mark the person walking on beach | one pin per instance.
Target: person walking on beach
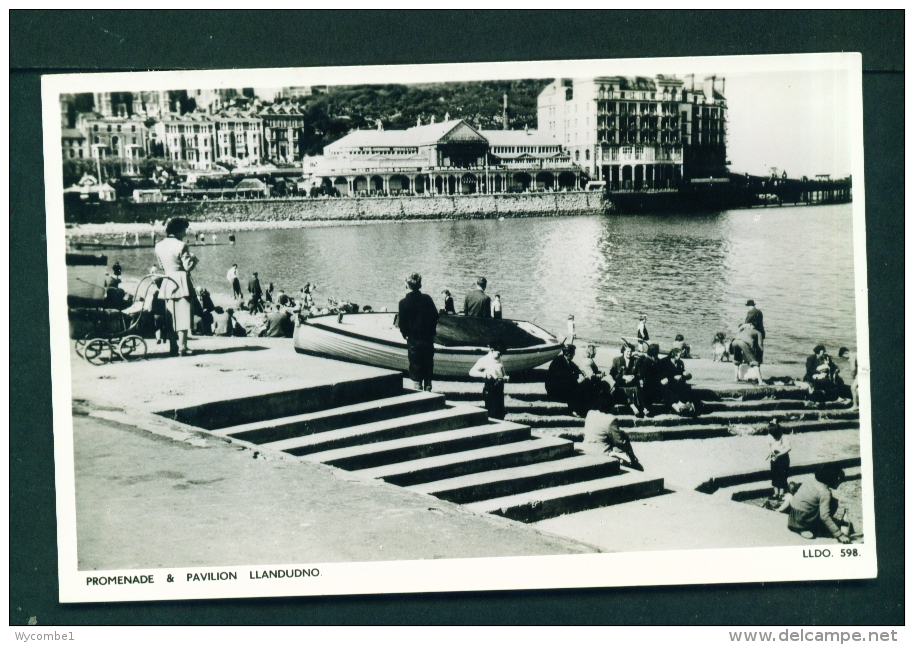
(477, 303)
(490, 368)
(232, 276)
(256, 292)
(569, 339)
(418, 321)
(214, 238)
(851, 358)
(232, 239)
(116, 269)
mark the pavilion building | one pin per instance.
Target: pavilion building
(445, 158)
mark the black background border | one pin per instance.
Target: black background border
(77, 41)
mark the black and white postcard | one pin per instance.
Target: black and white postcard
(362, 330)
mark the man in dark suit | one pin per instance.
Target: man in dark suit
(256, 294)
(754, 317)
(418, 320)
(476, 302)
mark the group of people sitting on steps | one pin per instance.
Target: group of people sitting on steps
(637, 380)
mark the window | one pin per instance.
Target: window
(95, 127)
(577, 155)
(96, 139)
(80, 153)
(587, 155)
(109, 128)
(118, 128)
(133, 128)
(134, 140)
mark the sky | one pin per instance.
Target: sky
(797, 121)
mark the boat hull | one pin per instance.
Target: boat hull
(377, 344)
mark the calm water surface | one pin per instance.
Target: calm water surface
(690, 274)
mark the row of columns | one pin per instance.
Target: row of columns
(640, 176)
(488, 183)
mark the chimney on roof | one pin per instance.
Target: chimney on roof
(504, 112)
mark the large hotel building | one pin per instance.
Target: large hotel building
(639, 133)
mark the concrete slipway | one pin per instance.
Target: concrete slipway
(153, 492)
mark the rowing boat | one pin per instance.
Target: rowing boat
(374, 339)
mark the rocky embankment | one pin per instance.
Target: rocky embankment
(288, 213)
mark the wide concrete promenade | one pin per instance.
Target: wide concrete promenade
(150, 493)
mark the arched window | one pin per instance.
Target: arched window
(587, 155)
(95, 127)
(577, 155)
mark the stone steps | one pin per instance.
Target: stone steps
(520, 479)
(728, 480)
(425, 423)
(439, 443)
(430, 469)
(273, 430)
(708, 431)
(214, 415)
(545, 503)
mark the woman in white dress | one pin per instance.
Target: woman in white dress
(177, 289)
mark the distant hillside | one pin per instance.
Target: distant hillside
(346, 108)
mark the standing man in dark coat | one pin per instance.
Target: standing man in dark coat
(754, 317)
(256, 294)
(476, 302)
(418, 320)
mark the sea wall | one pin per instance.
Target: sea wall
(359, 208)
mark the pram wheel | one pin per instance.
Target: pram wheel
(131, 347)
(98, 351)
(81, 344)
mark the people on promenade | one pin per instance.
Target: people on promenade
(570, 337)
(624, 372)
(650, 390)
(821, 374)
(604, 426)
(177, 289)
(477, 303)
(814, 512)
(746, 349)
(268, 294)
(256, 291)
(851, 358)
(643, 335)
(448, 303)
(594, 389)
(214, 238)
(563, 377)
(674, 380)
(496, 306)
(207, 307)
(232, 239)
(418, 321)
(223, 321)
(232, 277)
(755, 318)
(116, 269)
(720, 348)
(136, 238)
(490, 368)
(685, 350)
(154, 311)
(278, 323)
(779, 456)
